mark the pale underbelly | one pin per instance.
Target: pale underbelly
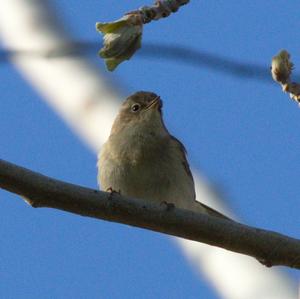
(147, 182)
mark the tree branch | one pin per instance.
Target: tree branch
(268, 247)
(161, 9)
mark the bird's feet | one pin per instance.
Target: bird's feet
(112, 192)
(169, 206)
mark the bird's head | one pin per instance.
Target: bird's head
(140, 111)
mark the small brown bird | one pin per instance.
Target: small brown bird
(142, 160)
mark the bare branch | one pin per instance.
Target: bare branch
(269, 247)
(161, 9)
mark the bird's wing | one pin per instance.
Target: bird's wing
(184, 160)
(204, 208)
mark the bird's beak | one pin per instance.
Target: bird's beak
(155, 104)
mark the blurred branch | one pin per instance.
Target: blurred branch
(281, 70)
(40, 191)
(175, 53)
(204, 59)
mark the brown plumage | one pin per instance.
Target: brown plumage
(142, 160)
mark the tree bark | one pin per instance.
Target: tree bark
(270, 248)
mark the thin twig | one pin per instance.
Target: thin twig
(123, 37)
(161, 9)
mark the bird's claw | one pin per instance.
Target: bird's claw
(112, 192)
(168, 205)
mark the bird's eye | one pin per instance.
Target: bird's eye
(135, 107)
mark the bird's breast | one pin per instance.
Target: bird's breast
(135, 168)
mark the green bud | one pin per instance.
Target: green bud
(281, 67)
(121, 39)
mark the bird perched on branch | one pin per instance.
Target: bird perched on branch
(142, 160)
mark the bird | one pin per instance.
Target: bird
(142, 160)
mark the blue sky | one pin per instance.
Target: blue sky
(241, 132)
